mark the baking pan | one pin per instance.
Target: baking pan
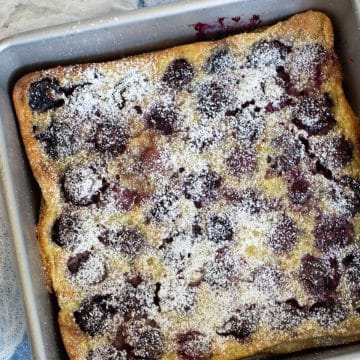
(105, 39)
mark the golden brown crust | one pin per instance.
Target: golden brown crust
(307, 28)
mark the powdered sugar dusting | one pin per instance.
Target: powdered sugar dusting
(216, 177)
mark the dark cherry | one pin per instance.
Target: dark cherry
(220, 273)
(267, 278)
(249, 124)
(163, 204)
(267, 53)
(328, 313)
(205, 139)
(45, 94)
(336, 152)
(299, 191)
(193, 345)
(286, 315)
(219, 62)
(104, 353)
(212, 99)
(128, 241)
(352, 195)
(148, 344)
(133, 298)
(312, 58)
(178, 74)
(66, 229)
(351, 264)
(242, 324)
(110, 138)
(93, 314)
(75, 262)
(332, 231)
(288, 154)
(313, 114)
(283, 235)
(150, 159)
(124, 198)
(220, 229)
(242, 161)
(319, 276)
(162, 118)
(201, 186)
(58, 140)
(83, 185)
(251, 201)
(141, 341)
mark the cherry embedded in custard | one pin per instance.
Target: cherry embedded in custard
(163, 205)
(352, 196)
(241, 161)
(332, 231)
(140, 340)
(201, 186)
(286, 315)
(104, 353)
(242, 324)
(45, 94)
(220, 229)
(328, 313)
(319, 276)
(267, 53)
(123, 198)
(193, 345)
(220, 273)
(335, 152)
(283, 235)
(313, 114)
(178, 74)
(150, 159)
(94, 313)
(219, 62)
(267, 278)
(148, 345)
(58, 140)
(299, 191)
(75, 262)
(83, 185)
(287, 154)
(212, 99)
(66, 229)
(128, 241)
(163, 118)
(110, 139)
(133, 299)
(351, 264)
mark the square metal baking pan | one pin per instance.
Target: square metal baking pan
(105, 39)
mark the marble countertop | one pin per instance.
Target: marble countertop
(17, 16)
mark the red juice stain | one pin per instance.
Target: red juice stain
(202, 28)
(221, 22)
(255, 20)
(220, 28)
